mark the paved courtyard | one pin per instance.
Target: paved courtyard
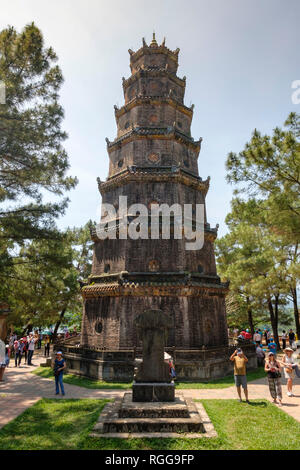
(21, 389)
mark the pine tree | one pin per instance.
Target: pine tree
(268, 170)
(32, 157)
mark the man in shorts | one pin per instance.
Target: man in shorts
(239, 359)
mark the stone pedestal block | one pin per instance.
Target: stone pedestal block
(149, 392)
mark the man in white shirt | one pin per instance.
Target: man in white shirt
(257, 337)
(31, 343)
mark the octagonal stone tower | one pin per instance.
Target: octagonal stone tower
(154, 159)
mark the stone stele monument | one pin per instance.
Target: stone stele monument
(153, 381)
(153, 409)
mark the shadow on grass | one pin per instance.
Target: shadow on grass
(257, 403)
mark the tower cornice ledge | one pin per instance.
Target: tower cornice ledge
(133, 289)
(142, 132)
(154, 174)
(153, 72)
(141, 100)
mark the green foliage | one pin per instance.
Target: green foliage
(268, 168)
(46, 278)
(33, 163)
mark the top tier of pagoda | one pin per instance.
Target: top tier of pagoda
(154, 61)
(154, 110)
(154, 57)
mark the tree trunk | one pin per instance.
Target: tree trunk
(274, 319)
(27, 329)
(250, 316)
(296, 311)
(61, 316)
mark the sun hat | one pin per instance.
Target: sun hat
(271, 354)
(59, 352)
(288, 349)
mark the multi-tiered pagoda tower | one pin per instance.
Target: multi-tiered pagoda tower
(154, 159)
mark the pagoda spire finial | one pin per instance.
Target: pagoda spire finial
(153, 42)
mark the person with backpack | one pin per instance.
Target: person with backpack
(272, 367)
(59, 366)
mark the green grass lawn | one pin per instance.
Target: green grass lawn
(89, 383)
(65, 424)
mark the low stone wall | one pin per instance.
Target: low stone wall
(191, 365)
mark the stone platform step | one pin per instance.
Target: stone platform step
(152, 435)
(131, 425)
(130, 409)
(153, 419)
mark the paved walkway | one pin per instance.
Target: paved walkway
(21, 389)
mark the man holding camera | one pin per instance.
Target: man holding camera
(239, 359)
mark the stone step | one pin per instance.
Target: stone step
(131, 425)
(152, 435)
(154, 413)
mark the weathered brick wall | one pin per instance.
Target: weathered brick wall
(153, 86)
(162, 115)
(195, 321)
(137, 153)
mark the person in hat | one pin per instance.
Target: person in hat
(290, 368)
(272, 367)
(59, 366)
(240, 360)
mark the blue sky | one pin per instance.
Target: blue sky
(240, 58)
